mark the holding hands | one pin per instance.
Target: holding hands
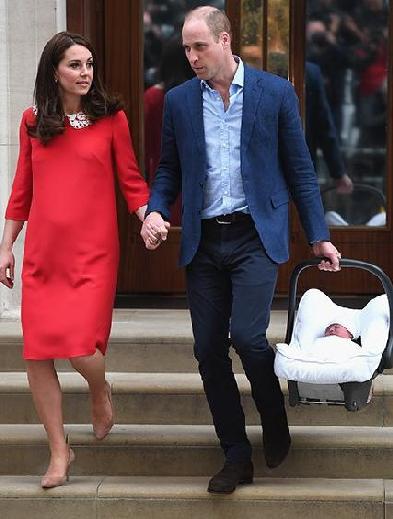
(154, 230)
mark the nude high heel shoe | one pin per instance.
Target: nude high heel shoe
(51, 481)
(101, 430)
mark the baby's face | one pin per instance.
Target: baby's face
(339, 330)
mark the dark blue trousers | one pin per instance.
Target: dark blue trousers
(230, 285)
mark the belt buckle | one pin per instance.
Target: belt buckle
(223, 222)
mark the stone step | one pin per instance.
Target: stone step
(179, 497)
(141, 341)
(192, 450)
(177, 398)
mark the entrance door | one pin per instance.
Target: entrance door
(271, 35)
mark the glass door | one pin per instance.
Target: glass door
(336, 52)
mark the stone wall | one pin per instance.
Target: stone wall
(25, 26)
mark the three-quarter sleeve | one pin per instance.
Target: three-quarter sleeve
(19, 203)
(132, 185)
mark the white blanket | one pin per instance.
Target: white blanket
(311, 357)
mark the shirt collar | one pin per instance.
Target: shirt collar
(238, 78)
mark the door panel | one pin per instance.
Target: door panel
(373, 244)
(347, 45)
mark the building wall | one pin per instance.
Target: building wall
(25, 26)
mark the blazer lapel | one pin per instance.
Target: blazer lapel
(251, 97)
(195, 110)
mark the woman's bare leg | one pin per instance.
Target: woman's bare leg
(47, 398)
(92, 368)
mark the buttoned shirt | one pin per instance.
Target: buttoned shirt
(223, 188)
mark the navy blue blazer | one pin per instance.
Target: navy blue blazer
(275, 163)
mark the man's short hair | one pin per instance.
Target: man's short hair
(215, 19)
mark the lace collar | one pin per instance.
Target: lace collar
(78, 121)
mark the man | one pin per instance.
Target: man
(232, 142)
(321, 131)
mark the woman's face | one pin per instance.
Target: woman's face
(74, 73)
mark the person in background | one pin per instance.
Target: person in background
(174, 70)
(319, 127)
(321, 131)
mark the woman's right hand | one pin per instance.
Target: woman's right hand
(7, 264)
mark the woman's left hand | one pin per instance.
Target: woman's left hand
(7, 263)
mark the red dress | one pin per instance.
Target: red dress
(66, 191)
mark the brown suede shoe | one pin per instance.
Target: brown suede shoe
(231, 475)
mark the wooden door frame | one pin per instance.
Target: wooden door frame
(121, 60)
(122, 56)
(87, 17)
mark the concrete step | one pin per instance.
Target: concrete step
(176, 497)
(177, 398)
(192, 450)
(141, 341)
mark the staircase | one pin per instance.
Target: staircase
(157, 461)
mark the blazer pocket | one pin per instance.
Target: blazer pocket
(280, 198)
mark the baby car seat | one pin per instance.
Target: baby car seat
(353, 395)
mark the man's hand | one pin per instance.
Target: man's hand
(326, 249)
(154, 230)
(344, 185)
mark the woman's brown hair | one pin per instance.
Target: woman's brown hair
(96, 103)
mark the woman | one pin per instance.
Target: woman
(64, 186)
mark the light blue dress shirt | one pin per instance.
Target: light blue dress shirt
(223, 189)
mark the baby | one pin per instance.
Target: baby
(339, 330)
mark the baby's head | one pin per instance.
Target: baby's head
(339, 330)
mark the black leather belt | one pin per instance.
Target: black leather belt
(227, 219)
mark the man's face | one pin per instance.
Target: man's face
(205, 54)
(338, 330)
(315, 27)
